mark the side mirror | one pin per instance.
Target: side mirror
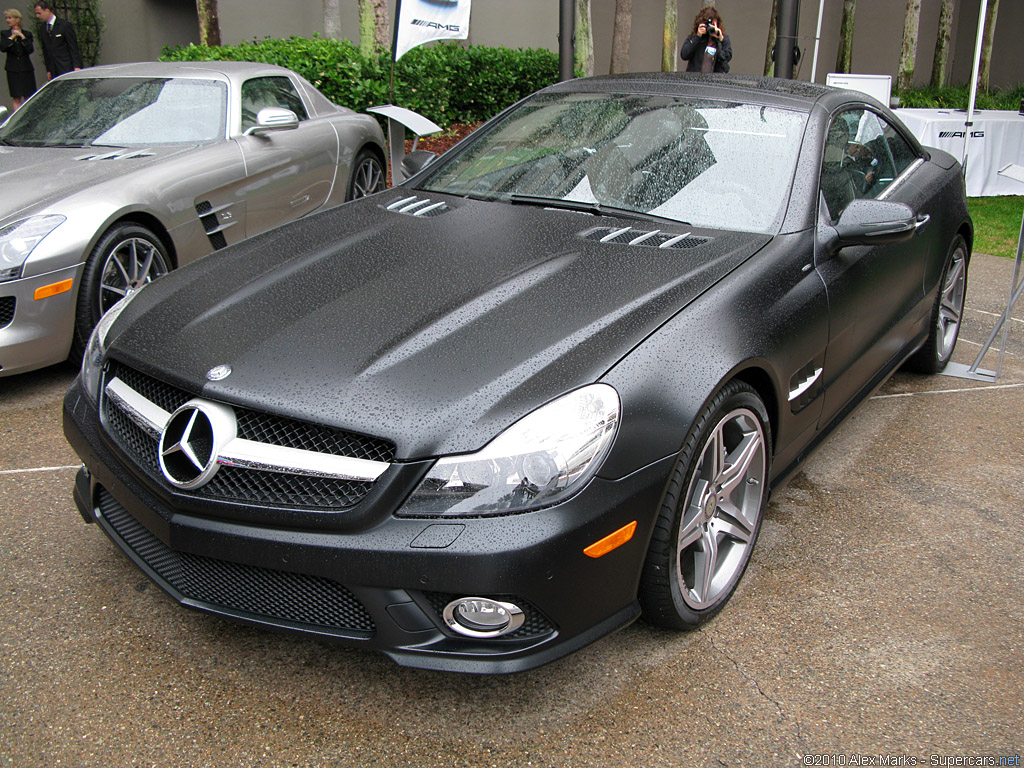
(876, 222)
(416, 161)
(273, 119)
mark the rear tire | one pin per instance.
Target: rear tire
(711, 514)
(947, 313)
(367, 176)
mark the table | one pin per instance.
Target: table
(997, 139)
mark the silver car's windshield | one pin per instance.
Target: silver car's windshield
(122, 112)
(706, 163)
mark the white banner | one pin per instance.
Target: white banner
(420, 21)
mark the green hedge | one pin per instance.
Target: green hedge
(447, 82)
(958, 96)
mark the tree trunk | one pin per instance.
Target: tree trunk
(908, 53)
(584, 39)
(769, 51)
(670, 37)
(332, 19)
(374, 34)
(845, 55)
(939, 75)
(986, 45)
(620, 37)
(209, 22)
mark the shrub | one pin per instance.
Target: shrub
(956, 97)
(447, 82)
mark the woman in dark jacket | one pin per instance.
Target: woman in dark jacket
(708, 48)
(17, 44)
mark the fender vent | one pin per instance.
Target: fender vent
(213, 227)
(651, 239)
(419, 206)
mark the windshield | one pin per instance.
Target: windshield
(705, 163)
(121, 112)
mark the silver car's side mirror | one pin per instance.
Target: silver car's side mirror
(273, 119)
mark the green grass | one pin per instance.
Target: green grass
(996, 224)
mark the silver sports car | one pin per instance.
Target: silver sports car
(114, 175)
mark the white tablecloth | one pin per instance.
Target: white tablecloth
(996, 139)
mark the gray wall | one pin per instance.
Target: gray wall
(137, 30)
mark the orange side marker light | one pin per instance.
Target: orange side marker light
(611, 541)
(53, 289)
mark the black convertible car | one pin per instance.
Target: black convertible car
(542, 388)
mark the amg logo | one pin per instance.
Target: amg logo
(961, 134)
(435, 25)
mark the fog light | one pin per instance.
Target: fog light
(482, 617)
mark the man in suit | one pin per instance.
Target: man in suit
(60, 46)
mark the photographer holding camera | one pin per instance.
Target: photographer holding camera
(708, 48)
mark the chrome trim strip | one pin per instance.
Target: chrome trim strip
(147, 415)
(220, 227)
(643, 237)
(400, 203)
(669, 243)
(900, 179)
(429, 208)
(614, 233)
(248, 454)
(804, 386)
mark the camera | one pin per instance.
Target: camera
(710, 26)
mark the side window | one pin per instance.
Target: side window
(863, 155)
(263, 92)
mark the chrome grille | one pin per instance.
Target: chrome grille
(246, 591)
(240, 484)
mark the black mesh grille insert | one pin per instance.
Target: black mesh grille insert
(534, 623)
(246, 485)
(7, 304)
(244, 590)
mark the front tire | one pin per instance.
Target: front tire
(711, 514)
(127, 257)
(947, 313)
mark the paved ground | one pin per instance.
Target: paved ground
(883, 614)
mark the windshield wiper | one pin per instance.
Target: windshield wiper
(599, 209)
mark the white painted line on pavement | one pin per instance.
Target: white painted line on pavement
(36, 469)
(984, 388)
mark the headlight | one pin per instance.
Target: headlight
(18, 239)
(96, 349)
(540, 460)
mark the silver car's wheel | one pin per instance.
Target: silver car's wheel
(130, 263)
(367, 176)
(711, 513)
(947, 313)
(127, 257)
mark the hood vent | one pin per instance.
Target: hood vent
(651, 239)
(119, 154)
(419, 206)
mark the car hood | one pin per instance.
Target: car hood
(32, 177)
(435, 332)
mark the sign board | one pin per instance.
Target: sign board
(877, 86)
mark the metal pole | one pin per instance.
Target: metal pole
(974, 80)
(785, 40)
(817, 41)
(566, 39)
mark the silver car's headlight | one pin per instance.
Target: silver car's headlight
(540, 460)
(96, 349)
(17, 241)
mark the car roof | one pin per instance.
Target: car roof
(212, 70)
(769, 91)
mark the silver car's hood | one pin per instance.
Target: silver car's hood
(33, 177)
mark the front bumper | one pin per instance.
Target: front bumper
(39, 331)
(383, 585)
